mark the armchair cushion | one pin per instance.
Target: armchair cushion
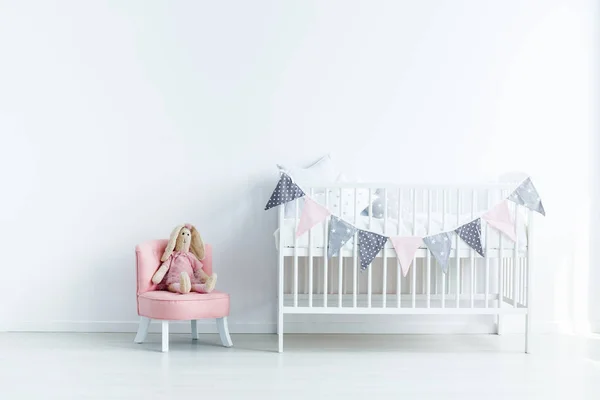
(174, 306)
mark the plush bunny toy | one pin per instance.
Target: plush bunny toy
(181, 271)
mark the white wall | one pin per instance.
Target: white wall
(121, 119)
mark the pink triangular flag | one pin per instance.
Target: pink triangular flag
(499, 217)
(406, 247)
(312, 214)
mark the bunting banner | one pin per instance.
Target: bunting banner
(284, 192)
(312, 214)
(499, 217)
(406, 247)
(339, 233)
(470, 233)
(369, 245)
(440, 245)
(527, 196)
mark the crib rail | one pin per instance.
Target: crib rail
(311, 281)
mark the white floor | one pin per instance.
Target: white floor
(111, 366)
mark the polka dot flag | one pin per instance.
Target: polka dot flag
(285, 191)
(471, 234)
(527, 196)
(339, 233)
(369, 245)
(440, 245)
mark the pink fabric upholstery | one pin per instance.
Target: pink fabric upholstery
(173, 306)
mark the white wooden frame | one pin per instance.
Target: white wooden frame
(222, 327)
(439, 294)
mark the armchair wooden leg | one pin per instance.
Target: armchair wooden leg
(194, 324)
(142, 330)
(165, 336)
(224, 332)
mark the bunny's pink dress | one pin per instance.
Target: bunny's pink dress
(181, 261)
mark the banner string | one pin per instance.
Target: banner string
(370, 207)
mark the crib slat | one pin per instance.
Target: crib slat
(500, 270)
(280, 277)
(310, 263)
(444, 198)
(385, 215)
(472, 252)
(370, 269)
(355, 251)
(458, 285)
(487, 250)
(433, 270)
(500, 275)
(520, 280)
(340, 262)
(398, 268)
(413, 270)
(428, 288)
(304, 262)
(340, 278)
(325, 260)
(297, 205)
(523, 278)
(423, 262)
(506, 281)
(516, 258)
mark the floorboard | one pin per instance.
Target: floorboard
(111, 366)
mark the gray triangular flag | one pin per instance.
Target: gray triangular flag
(369, 245)
(339, 233)
(284, 192)
(527, 196)
(471, 234)
(440, 245)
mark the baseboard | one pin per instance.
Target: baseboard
(208, 326)
(516, 324)
(511, 324)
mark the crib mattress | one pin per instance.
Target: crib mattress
(406, 229)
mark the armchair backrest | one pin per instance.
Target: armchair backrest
(148, 256)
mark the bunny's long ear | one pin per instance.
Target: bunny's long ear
(197, 245)
(171, 244)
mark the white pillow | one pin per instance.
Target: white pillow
(333, 202)
(362, 199)
(322, 171)
(347, 200)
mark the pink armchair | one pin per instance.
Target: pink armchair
(167, 306)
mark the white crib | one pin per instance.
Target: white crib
(310, 283)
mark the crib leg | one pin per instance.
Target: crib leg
(499, 325)
(280, 332)
(527, 333)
